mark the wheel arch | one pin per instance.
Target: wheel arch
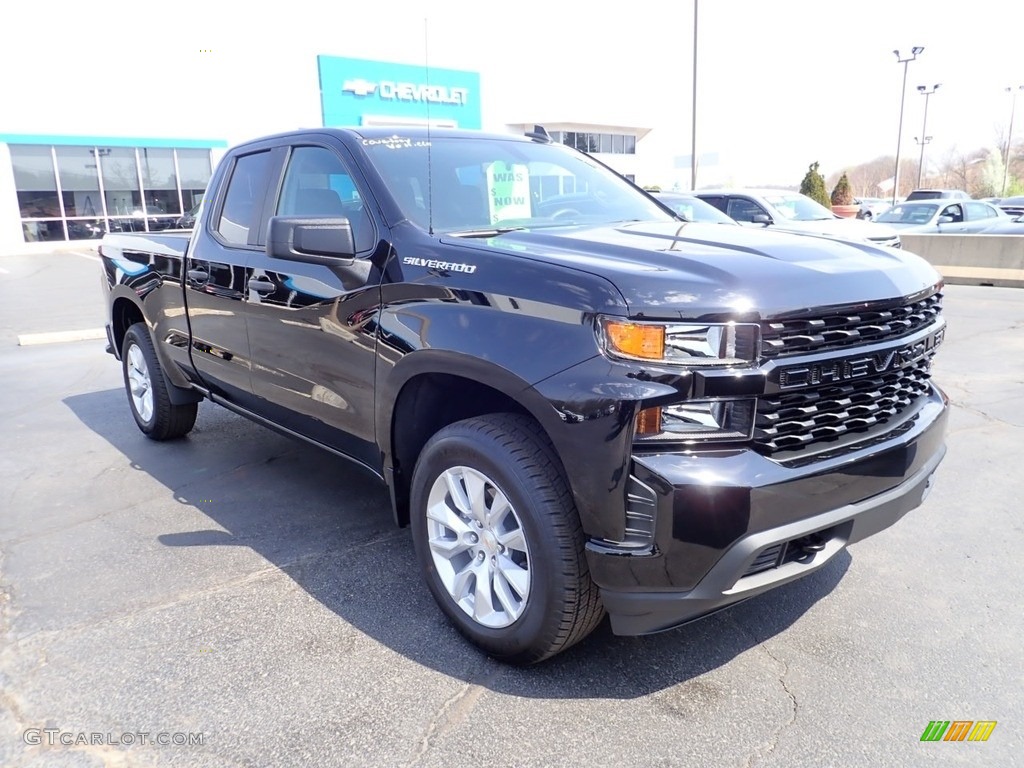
(429, 390)
(124, 313)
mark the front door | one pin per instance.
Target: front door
(311, 327)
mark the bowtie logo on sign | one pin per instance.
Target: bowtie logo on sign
(359, 87)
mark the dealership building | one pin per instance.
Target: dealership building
(75, 181)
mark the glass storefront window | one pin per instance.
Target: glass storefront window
(159, 181)
(120, 181)
(35, 182)
(93, 190)
(85, 229)
(79, 181)
(42, 230)
(194, 168)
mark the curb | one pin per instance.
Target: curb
(60, 337)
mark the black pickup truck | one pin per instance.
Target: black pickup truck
(580, 402)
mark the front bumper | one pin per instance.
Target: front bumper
(730, 525)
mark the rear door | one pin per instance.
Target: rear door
(980, 216)
(215, 274)
(312, 327)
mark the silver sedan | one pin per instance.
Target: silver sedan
(958, 217)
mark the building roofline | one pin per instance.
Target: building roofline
(109, 141)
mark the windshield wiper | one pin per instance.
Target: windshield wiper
(492, 232)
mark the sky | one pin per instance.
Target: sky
(779, 84)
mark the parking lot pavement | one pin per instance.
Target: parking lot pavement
(248, 592)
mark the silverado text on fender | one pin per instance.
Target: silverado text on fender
(581, 402)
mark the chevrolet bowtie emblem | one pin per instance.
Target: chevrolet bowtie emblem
(359, 87)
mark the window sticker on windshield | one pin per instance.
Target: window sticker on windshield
(508, 191)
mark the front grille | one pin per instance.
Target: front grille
(892, 241)
(840, 330)
(829, 412)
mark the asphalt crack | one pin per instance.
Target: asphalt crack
(763, 751)
(766, 749)
(454, 711)
(978, 412)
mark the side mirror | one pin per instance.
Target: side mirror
(761, 218)
(945, 219)
(326, 240)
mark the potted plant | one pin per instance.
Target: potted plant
(842, 199)
(813, 185)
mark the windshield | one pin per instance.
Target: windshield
(469, 183)
(694, 209)
(797, 207)
(909, 214)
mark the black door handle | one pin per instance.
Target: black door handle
(198, 275)
(261, 285)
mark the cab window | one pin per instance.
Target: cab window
(243, 200)
(318, 185)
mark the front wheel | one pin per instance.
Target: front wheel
(499, 541)
(150, 402)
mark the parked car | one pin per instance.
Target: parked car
(692, 208)
(1007, 227)
(938, 194)
(870, 207)
(943, 217)
(1013, 206)
(788, 211)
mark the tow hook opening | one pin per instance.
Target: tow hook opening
(808, 546)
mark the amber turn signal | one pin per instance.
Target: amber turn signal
(648, 422)
(637, 340)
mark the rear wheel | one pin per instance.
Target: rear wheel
(156, 415)
(499, 541)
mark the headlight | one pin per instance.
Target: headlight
(690, 344)
(693, 345)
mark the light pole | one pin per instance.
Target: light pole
(917, 49)
(921, 143)
(693, 131)
(1009, 135)
(925, 138)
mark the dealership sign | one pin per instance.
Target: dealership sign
(354, 90)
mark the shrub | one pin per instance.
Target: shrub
(842, 194)
(813, 185)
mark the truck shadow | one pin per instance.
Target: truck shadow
(327, 525)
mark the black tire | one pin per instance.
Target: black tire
(156, 415)
(562, 605)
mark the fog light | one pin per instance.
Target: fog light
(697, 420)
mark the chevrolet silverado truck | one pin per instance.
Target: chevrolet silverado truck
(581, 403)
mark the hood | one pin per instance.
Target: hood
(848, 228)
(677, 270)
